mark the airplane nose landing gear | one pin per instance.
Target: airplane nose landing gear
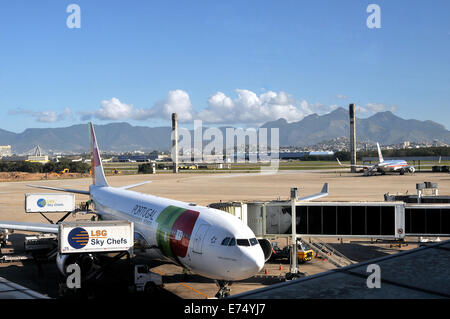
(224, 291)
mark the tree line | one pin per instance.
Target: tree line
(50, 167)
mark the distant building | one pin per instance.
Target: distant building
(162, 157)
(292, 155)
(38, 157)
(136, 158)
(5, 150)
(325, 153)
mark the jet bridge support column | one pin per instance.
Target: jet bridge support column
(294, 196)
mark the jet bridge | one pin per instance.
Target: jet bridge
(427, 220)
(337, 219)
(377, 220)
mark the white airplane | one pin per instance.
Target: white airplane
(206, 241)
(382, 167)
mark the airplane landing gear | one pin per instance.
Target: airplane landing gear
(224, 291)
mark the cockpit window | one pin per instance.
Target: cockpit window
(243, 242)
(226, 241)
(232, 242)
(253, 241)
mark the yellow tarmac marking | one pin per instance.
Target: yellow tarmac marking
(183, 284)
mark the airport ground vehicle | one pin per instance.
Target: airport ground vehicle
(3, 237)
(187, 167)
(145, 280)
(303, 253)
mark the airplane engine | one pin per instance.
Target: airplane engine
(266, 247)
(412, 169)
(86, 262)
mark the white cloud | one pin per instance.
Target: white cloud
(250, 107)
(246, 107)
(375, 108)
(43, 116)
(322, 109)
(177, 101)
(341, 96)
(114, 110)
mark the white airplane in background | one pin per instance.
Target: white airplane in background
(382, 167)
(208, 242)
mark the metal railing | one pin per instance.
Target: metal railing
(328, 252)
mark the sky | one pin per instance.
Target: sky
(222, 62)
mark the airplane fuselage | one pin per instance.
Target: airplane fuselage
(393, 165)
(186, 234)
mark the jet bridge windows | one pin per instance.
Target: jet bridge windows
(339, 218)
(427, 219)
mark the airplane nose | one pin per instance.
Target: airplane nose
(252, 262)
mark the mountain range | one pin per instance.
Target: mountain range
(384, 127)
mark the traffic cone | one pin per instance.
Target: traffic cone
(281, 268)
(266, 271)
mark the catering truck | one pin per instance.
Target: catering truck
(83, 242)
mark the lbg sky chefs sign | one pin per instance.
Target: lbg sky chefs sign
(49, 203)
(100, 236)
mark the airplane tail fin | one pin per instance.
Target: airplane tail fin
(98, 174)
(380, 156)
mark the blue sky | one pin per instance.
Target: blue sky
(235, 62)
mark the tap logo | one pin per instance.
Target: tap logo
(78, 238)
(41, 202)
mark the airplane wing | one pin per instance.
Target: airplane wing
(134, 185)
(323, 193)
(61, 189)
(355, 165)
(33, 227)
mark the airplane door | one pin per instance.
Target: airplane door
(199, 237)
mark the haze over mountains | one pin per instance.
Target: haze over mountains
(384, 127)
